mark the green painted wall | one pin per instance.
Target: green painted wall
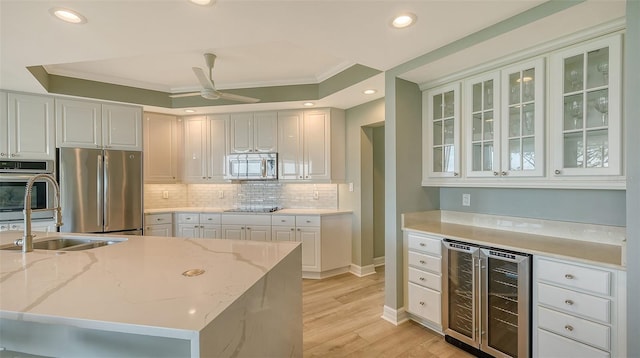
(378, 191)
(632, 132)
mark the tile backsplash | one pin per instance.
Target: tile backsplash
(245, 195)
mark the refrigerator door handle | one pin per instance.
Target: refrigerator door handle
(105, 192)
(100, 201)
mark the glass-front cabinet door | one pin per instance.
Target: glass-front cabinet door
(585, 109)
(441, 127)
(523, 119)
(482, 123)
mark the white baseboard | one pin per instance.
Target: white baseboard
(362, 271)
(378, 261)
(394, 316)
(324, 274)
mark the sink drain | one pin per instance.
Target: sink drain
(193, 272)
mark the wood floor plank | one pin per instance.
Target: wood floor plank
(341, 318)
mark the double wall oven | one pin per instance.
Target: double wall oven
(486, 300)
(13, 179)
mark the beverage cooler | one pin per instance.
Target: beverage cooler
(487, 299)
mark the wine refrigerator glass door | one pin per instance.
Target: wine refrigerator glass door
(505, 296)
(460, 299)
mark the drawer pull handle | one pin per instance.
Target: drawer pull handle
(423, 262)
(568, 276)
(210, 219)
(569, 328)
(422, 303)
(282, 221)
(568, 302)
(423, 244)
(422, 279)
(158, 219)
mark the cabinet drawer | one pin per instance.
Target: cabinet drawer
(307, 220)
(575, 302)
(425, 303)
(594, 334)
(246, 219)
(425, 262)
(426, 279)
(160, 218)
(574, 276)
(283, 220)
(188, 218)
(552, 345)
(213, 219)
(425, 244)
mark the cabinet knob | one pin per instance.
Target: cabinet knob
(292, 229)
(568, 302)
(248, 228)
(495, 174)
(307, 177)
(422, 303)
(423, 262)
(422, 279)
(568, 328)
(455, 174)
(301, 177)
(2, 154)
(503, 173)
(423, 244)
(557, 172)
(210, 219)
(298, 229)
(13, 155)
(568, 276)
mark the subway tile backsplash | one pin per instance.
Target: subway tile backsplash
(245, 195)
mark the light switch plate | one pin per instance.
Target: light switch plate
(165, 194)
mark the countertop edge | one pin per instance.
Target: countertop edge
(420, 228)
(320, 212)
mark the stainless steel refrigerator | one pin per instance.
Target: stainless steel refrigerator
(101, 190)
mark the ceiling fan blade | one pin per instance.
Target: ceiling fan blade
(187, 94)
(205, 82)
(236, 97)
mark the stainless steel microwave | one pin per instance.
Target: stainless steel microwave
(252, 166)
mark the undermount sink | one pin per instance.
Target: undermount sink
(67, 243)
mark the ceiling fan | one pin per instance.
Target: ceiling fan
(209, 90)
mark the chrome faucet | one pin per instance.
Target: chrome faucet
(27, 239)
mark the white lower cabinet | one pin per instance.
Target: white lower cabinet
(158, 224)
(246, 227)
(423, 273)
(578, 310)
(38, 226)
(199, 225)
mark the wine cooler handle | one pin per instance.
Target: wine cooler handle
(477, 303)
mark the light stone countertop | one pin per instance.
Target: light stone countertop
(134, 286)
(607, 254)
(321, 212)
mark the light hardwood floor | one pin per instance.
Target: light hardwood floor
(341, 318)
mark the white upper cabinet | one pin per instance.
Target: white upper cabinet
(161, 148)
(27, 127)
(205, 145)
(85, 124)
(121, 127)
(253, 132)
(311, 145)
(441, 131)
(289, 144)
(482, 122)
(586, 116)
(523, 119)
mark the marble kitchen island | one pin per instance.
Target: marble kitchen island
(131, 299)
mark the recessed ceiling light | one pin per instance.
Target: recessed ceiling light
(369, 91)
(190, 110)
(67, 15)
(308, 104)
(203, 2)
(404, 20)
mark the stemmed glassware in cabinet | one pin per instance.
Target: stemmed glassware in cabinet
(602, 105)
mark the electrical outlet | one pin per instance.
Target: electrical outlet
(350, 186)
(466, 199)
(315, 195)
(165, 194)
(220, 194)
